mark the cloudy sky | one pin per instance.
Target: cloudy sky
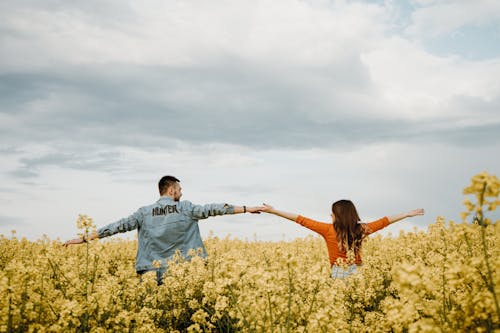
(393, 104)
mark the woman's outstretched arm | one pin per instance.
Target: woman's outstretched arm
(319, 227)
(399, 217)
(271, 210)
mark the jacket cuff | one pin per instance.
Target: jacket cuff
(104, 232)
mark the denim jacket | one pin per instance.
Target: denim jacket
(164, 227)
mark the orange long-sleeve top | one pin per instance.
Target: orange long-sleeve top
(328, 232)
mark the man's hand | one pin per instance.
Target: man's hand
(74, 241)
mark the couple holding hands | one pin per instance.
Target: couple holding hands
(169, 225)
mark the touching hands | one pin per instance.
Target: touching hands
(255, 209)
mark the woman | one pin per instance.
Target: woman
(345, 234)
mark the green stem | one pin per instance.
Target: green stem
(234, 300)
(290, 287)
(270, 311)
(445, 317)
(315, 293)
(86, 315)
(9, 320)
(491, 284)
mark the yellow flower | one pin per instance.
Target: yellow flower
(417, 281)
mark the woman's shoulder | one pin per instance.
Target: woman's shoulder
(302, 218)
(376, 225)
(320, 227)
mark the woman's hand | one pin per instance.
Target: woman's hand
(415, 212)
(267, 208)
(411, 213)
(271, 210)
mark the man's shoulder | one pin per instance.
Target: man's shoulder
(147, 208)
(185, 204)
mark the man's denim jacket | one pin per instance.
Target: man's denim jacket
(164, 227)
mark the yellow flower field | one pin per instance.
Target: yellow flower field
(444, 279)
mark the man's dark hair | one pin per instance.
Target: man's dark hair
(165, 182)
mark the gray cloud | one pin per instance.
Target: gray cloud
(234, 102)
(221, 97)
(82, 159)
(107, 13)
(9, 150)
(11, 221)
(23, 172)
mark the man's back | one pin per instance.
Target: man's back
(165, 227)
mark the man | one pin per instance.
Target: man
(166, 226)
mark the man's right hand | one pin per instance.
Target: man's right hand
(74, 241)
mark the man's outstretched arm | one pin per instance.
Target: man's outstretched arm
(123, 225)
(204, 211)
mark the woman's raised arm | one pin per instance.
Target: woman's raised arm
(399, 217)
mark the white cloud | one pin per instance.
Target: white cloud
(441, 17)
(293, 102)
(191, 32)
(416, 84)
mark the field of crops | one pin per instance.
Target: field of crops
(444, 279)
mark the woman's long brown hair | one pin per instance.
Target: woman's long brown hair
(349, 231)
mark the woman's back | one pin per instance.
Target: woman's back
(344, 232)
(330, 235)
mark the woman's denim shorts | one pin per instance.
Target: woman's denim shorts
(341, 273)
